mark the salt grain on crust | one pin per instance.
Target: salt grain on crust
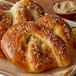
(68, 33)
(60, 52)
(64, 25)
(19, 28)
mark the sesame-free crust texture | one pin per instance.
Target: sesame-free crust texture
(38, 46)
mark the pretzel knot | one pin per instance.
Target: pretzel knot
(38, 46)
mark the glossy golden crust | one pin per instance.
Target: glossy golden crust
(26, 10)
(5, 5)
(5, 23)
(17, 14)
(34, 48)
(58, 27)
(62, 30)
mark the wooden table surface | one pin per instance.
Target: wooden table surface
(47, 5)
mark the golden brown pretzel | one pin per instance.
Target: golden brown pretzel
(4, 5)
(19, 14)
(26, 10)
(33, 47)
(59, 27)
(5, 23)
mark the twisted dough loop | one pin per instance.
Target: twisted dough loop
(5, 23)
(31, 46)
(26, 10)
(59, 27)
(18, 13)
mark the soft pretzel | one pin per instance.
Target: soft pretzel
(4, 5)
(17, 14)
(26, 10)
(59, 27)
(38, 46)
(5, 23)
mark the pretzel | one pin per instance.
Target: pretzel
(5, 23)
(59, 27)
(38, 46)
(18, 14)
(26, 10)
